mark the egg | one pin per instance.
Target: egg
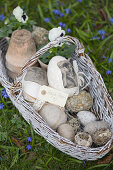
(53, 115)
(80, 102)
(83, 139)
(66, 131)
(74, 123)
(93, 126)
(86, 117)
(102, 136)
(62, 76)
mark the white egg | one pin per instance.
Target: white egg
(85, 117)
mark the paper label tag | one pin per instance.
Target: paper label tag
(52, 96)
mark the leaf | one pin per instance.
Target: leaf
(18, 143)
(97, 166)
(15, 159)
(3, 136)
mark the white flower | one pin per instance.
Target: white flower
(20, 15)
(55, 33)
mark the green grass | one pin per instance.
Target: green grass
(84, 21)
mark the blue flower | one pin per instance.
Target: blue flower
(56, 12)
(110, 60)
(28, 147)
(47, 19)
(1, 106)
(101, 32)
(62, 4)
(60, 24)
(61, 14)
(2, 17)
(63, 25)
(108, 72)
(103, 56)
(84, 162)
(4, 94)
(68, 30)
(0, 158)
(111, 20)
(95, 37)
(29, 139)
(57, 2)
(79, 0)
(67, 11)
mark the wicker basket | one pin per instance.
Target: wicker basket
(102, 106)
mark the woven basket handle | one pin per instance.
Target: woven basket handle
(78, 50)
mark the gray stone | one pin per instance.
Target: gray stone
(40, 36)
(80, 102)
(37, 75)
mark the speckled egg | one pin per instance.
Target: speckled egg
(74, 123)
(66, 131)
(94, 126)
(82, 101)
(83, 139)
(102, 136)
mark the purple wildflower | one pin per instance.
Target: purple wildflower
(108, 72)
(68, 30)
(101, 32)
(56, 12)
(2, 17)
(110, 60)
(103, 56)
(63, 25)
(62, 4)
(60, 24)
(95, 37)
(28, 147)
(47, 19)
(0, 158)
(29, 139)
(79, 0)
(1, 106)
(111, 20)
(4, 94)
(61, 14)
(67, 11)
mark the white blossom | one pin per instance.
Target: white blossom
(20, 15)
(55, 33)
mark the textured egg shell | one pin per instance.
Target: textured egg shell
(101, 137)
(80, 102)
(74, 123)
(66, 131)
(53, 115)
(83, 139)
(86, 117)
(55, 76)
(93, 126)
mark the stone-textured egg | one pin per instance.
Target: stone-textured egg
(80, 102)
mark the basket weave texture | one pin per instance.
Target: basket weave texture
(102, 102)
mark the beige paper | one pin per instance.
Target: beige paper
(52, 96)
